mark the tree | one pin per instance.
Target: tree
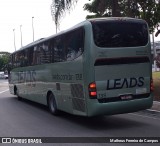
(148, 10)
(4, 59)
(59, 8)
(107, 8)
(99, 8)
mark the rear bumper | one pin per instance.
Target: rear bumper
(95, 108)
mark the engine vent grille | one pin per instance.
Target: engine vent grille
(78, 97)
(77, 90)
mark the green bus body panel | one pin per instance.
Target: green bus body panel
(119, 74)
(121, 87)
(57, 78)
(121, 107)
(123, 79)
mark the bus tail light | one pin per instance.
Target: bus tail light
(152, 86)
(92, 90)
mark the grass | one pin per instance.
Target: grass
(156, 82)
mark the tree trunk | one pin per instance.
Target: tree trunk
(115, 9)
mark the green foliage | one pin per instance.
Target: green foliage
(156, 82)
(4, 58)
(99, 8)
(148, 10)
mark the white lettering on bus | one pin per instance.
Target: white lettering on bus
(67, 77)
(27, 77)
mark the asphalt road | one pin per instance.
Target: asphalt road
(28, 119)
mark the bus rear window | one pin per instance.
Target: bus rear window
(120, 33)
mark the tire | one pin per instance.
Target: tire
(52, 105)
(16, 93)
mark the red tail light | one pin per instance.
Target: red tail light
(93, 94)
(92, 85)
(152, 86)
(92, 90)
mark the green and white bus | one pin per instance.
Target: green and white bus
(99, 67)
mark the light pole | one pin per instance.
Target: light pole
(154, 51)
(14, 39)
(21, 34)
(33, 28)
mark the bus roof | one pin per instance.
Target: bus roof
(41, 40)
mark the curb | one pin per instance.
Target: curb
(154, 111)
(155, 106)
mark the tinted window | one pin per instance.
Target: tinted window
(64, 47)
(59, 50)
(74, 44)
(41, 53)
(68, 46)
(120, 33)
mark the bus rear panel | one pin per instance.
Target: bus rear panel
(122, 80)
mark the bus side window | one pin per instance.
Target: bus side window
(51, 48)
(19, 57)
(23, 58)
(45, 53)
(59, 50)
(30, 56)
(74, 44)
(49, 52)
(35, 55)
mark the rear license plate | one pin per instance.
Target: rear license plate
(126, 97)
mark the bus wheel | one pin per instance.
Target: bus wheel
(16, 93)
(52, 104)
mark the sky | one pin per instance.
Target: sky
(14, 13)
